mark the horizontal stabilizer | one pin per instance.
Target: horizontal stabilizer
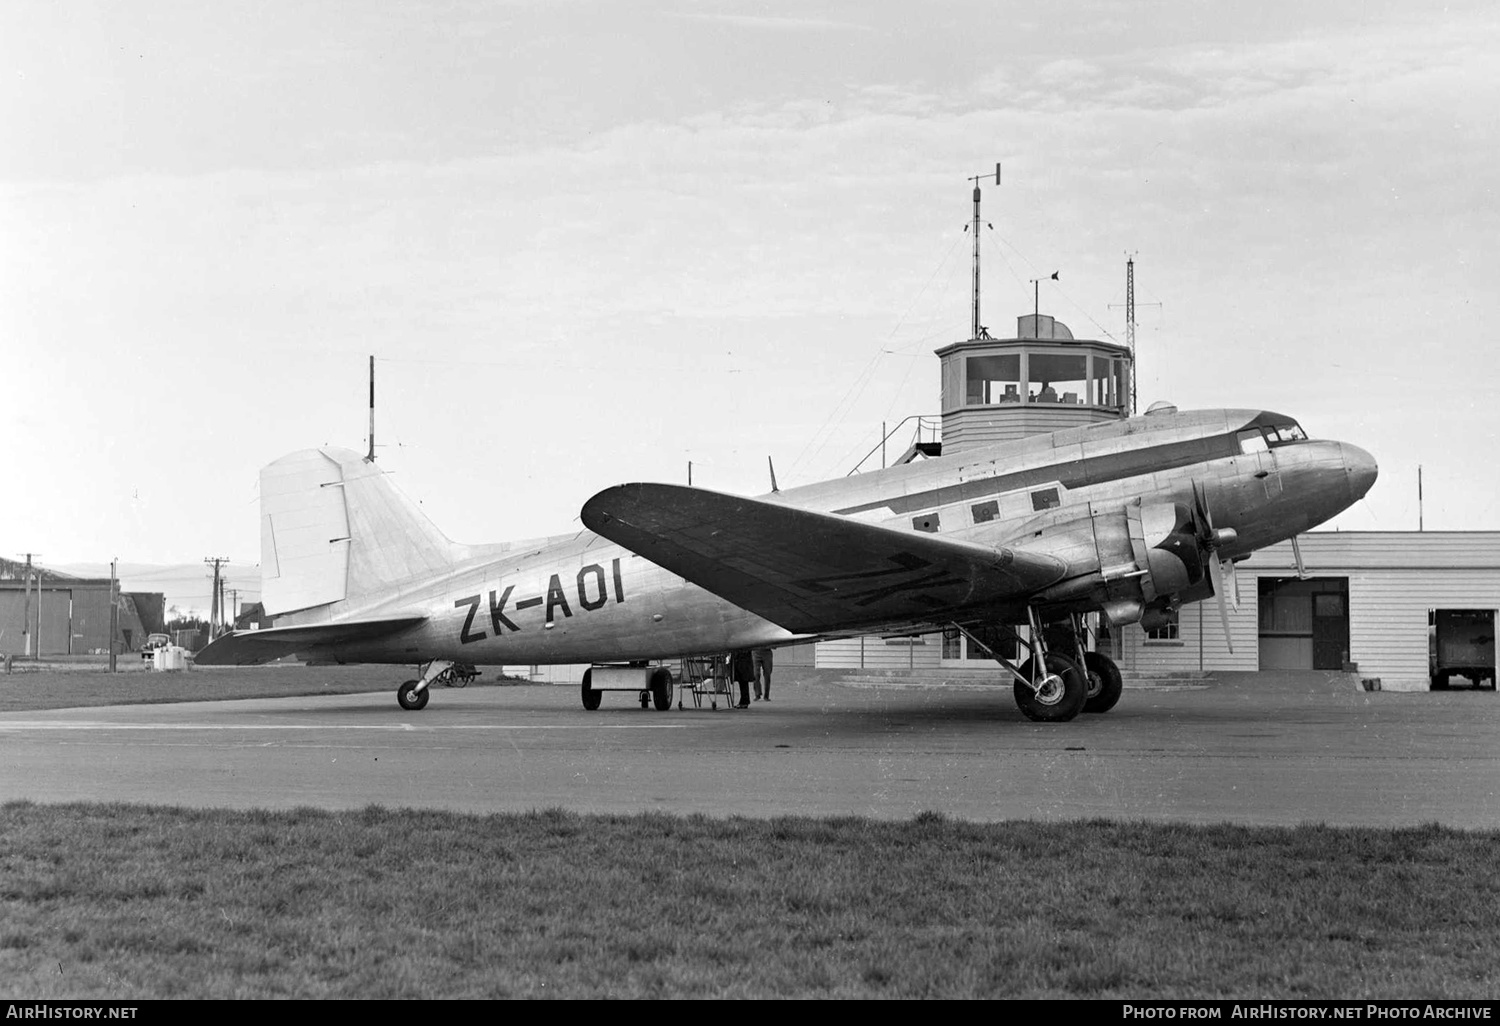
(250, 648)
(811, 572)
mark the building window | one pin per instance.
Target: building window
(1167, 631)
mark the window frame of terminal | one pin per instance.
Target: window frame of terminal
(1017, 378)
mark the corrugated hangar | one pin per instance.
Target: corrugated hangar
(1375, 603)
(53, 614)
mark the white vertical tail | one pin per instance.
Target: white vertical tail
(333, 528)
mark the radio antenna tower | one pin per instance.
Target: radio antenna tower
(977, 328)
(1130, 321)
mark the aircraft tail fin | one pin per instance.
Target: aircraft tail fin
(334, 528)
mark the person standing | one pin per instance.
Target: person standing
(742, 669)
(763, 660)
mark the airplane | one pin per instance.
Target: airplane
(1012, 544)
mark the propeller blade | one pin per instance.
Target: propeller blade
(1218, 576)
(1231, 583)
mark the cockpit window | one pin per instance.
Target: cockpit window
(1265, 436)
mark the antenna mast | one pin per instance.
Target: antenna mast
(977, 327)
(1129, 324)
(370, 458)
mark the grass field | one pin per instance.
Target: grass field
(115, 901)
(132, 902)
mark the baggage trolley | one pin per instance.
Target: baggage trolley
(706, 677)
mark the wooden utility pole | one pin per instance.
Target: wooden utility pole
(114, 613)
(26, 632)
(218, 596)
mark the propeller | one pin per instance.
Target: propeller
(1210, 540)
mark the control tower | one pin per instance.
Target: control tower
(1043, 379)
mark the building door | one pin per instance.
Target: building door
(1304, 623)
(56, 623)
(1330, 625)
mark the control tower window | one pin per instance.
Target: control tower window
(1058, 378)
(992, 379)
(1108, 387)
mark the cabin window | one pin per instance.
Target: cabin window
(926, 522)
(1045, 499)
(984, 512)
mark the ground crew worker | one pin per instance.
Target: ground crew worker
(762, 659)
(742, 669)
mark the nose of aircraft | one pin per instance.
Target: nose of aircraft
(1361, 468)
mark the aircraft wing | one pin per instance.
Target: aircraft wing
(249, 648)
(811, 572)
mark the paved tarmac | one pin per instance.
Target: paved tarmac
(1243, 748)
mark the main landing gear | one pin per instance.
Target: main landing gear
(412, 696)
(1057, 681)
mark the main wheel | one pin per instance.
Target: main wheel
(590, 696)
(1104, 682)
(1061, 697)
(1439, 682)
(409, 698)
(661, 689)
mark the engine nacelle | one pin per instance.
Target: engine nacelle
(1128, 562)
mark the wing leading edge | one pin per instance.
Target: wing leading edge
(811, 572)
(249, 648)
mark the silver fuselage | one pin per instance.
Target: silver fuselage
(579, 598)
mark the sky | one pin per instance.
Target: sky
(594, 242)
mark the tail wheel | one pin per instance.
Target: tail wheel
(1104, 682)
(661, 689)
(409, 698)
(590, 696)
(1060, 697)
